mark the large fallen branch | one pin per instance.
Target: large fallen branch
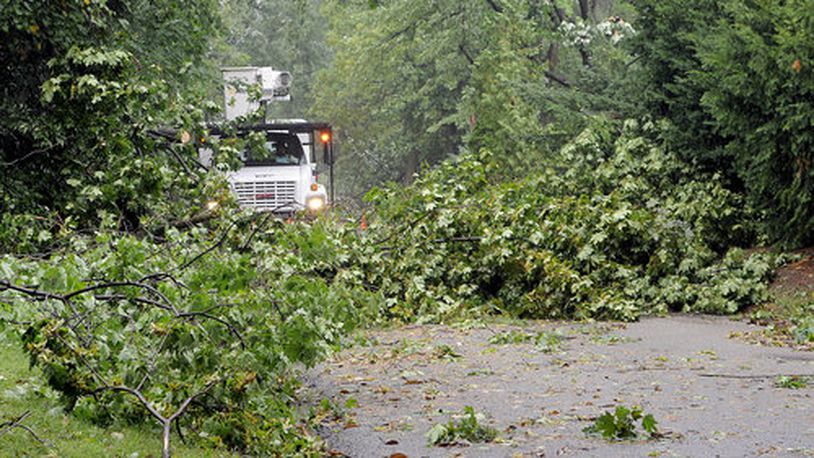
(77, 322)
(163, 303)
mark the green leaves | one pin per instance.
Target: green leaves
(791, 382)
(439, 434)
(649, 424)
(731, 81)
(86, 82)
(463, 76)
(92, 56)
(758, 100)
(606, 426)
(621, 424)
(161, 319)
(620, 229)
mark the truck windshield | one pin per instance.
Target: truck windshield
(278, 149)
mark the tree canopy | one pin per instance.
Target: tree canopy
(84, 83)
(454, 75)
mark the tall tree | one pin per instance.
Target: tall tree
(418, 81)
(733, 81)
(759, 88)
(666, 51)
(83, 82)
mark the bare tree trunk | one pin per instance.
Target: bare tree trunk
(584, 13)
(411, 167)
(165, 451)
(584, 9)
(600, 9)
(553, 56)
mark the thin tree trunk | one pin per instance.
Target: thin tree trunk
(411, 167)
(165, 451)
(584, 9)
(584, 13)
(553, 56)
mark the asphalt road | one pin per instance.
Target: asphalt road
(712, 395)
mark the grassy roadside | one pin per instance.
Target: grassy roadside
(788, 320)
(22, 389)
(789, 316)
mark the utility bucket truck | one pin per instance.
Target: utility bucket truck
(280, 175)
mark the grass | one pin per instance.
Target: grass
(22, 389)
(789, 319)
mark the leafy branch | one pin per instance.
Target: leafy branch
(158, 301)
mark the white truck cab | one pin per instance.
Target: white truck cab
(281, 176)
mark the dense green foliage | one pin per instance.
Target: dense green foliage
(613, 228)
(222, 322)
(664, 47)
(734, 80)
(729, 83)
(559, 188)
(759, 80)
(83, 83)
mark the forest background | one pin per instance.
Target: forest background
(538, 159)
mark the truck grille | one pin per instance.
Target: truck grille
(266, 195)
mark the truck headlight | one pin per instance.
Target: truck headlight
(315, 203)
